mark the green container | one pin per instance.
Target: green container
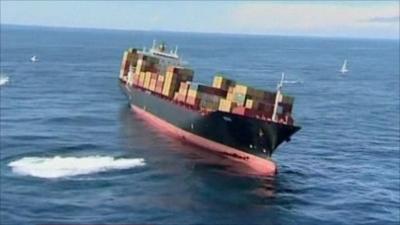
(239, 98)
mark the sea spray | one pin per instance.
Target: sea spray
(4, 79)
(58, 166)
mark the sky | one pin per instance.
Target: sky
(365, 19)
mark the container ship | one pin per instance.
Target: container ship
(231, 119)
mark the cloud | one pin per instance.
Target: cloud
(390, 19)
(317, 19)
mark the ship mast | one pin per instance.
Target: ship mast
(278, 97)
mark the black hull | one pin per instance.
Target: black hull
(249, 135)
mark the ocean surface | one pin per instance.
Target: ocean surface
(72, 152)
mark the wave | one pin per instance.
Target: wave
(4, 80)
(58, 166)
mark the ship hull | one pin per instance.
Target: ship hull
(248, 141)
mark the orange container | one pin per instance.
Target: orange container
(154, 76)
(159, 85)
(141, 79)
(152, 85)
(194, 102)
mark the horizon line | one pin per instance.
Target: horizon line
(203, 32)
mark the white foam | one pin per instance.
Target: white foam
(3, 80)
(55, 167)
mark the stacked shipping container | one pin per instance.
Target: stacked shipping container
(247, 101)
(204, 97)
(222, 83)
(224, 95)
(173, 77)
(127, 60)
(181, 95)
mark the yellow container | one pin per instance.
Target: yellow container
(160, 78)
(254, 94)
(169, 88)
(217, 82)
(251, 104)
(152, 85)
(241, 89)
(246, 90)
(141, 78)
(225, 105)
(168, 76)
(130, 77)
(147, 80)
(173, 78)
(229, 96)
(183, 88)
(194, 93)
(223, 83)
(139, 66)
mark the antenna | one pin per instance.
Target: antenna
(154, 44)
(176, 50)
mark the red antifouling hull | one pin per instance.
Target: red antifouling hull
(254, 164)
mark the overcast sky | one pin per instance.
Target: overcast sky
(368, 19)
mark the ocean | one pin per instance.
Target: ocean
(72, 152)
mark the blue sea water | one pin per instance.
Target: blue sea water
(73, 153)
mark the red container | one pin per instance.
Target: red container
(159, 84)
(240, 110)
(181, 98)
(126, 66)
(287, 108)
(159, 87)
(175, 98)
(135, 80)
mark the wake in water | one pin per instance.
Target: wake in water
(3, 79)
(55, 167)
